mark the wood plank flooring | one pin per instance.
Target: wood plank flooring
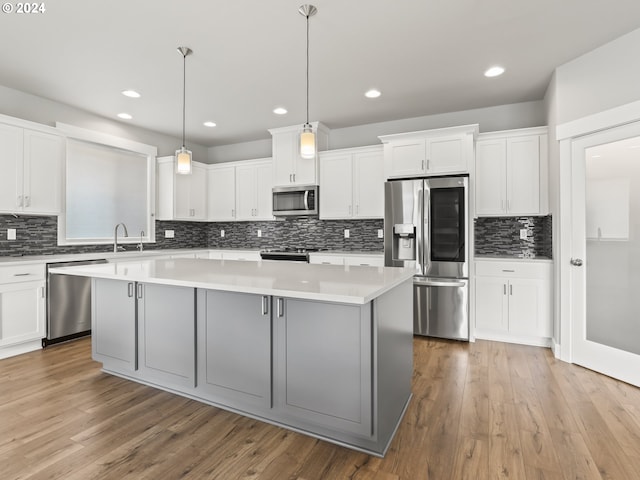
(483, 410)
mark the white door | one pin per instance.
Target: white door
(605, 250)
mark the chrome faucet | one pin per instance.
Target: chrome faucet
(115, 236)
(141, 237)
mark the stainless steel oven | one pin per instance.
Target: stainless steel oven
(295, 201)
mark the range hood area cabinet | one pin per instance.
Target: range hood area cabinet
(511, 173)
(354, 181)
(181, 197)
(32, 164)
(289, 168)
(442, 151)
(240, 191)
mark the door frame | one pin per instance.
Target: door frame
(568, 135)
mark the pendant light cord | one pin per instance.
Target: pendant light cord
(184, 95)
(307, 69)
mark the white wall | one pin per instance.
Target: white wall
(502, 117)
(601, 80)
(41, 110)
(606, 77)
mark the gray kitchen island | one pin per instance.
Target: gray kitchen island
(325, 350)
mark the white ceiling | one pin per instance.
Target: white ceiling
(426, 56)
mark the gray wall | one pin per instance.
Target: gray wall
(41, 110)
(490, 119)
(606, 77)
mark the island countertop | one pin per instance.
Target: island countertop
(331, 283)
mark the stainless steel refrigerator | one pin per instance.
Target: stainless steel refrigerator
(427, 227)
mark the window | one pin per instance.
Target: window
(108, 181)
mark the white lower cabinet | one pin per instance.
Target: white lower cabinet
(22, 309)
(346, 259)
(513, 301)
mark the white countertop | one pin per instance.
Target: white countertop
(331, 283)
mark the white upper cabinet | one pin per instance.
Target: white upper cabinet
(289, 168)
(352, 183)
(32, 162)
(240, 191)
(511, 173)
(181, 197)
(221, 193)
(430, 152)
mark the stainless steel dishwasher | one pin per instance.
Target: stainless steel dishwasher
(68, 304)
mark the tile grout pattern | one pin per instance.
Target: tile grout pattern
(37, 235)
(500, 236)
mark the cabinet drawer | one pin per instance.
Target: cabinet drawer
(364, 260)
(21, 273)
(326, 259)
(513, 269)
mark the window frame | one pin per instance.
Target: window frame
(110, 141)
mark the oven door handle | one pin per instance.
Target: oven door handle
(438, 283)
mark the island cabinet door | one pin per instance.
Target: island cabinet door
(167, 334)
(114, 324)
(234, 348)
(323, 365)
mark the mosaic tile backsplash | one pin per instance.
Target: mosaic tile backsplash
(494, 236)
(37, 235)
(500, 236)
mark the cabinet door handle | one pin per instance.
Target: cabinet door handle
(233, 213)
(27, 201)
(508, 205)
(265, 305)
(280, 307)
(294, 178)
(130, 289)
(41, 292)
(139, 286)
(504, 288)
(510, 271)
(510, 289)
(20, 200)
(21, 274)
(428, 164)
(422, 165)
(290, 178)
(357, 209)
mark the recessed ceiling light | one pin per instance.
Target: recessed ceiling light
(209, 124)
(494, 71)
(280, 111)
(373, 93)
(131, 94)
(125, 116)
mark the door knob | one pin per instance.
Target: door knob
(576, 262)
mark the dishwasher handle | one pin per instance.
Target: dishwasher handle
(439, 283)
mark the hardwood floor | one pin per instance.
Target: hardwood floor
(483, 410)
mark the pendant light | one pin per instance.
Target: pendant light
(307, 137)
(183, 156)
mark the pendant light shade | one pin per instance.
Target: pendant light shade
(307, 137)
(183, 156)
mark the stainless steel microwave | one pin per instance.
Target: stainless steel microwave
(300, 200)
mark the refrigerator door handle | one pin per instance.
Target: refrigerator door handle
(426, 207)
(420, 231)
